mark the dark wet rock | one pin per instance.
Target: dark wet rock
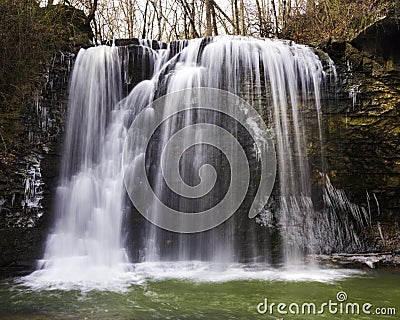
(358, 261)
(123, 42)
(153, 44)
(28, 179)
(20, 248)
(31, 135)
(381, 40)
(362, 126)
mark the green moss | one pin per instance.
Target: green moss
(29, 36)
(361, 121)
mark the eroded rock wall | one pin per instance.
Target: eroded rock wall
(28, 178)
(362, 127)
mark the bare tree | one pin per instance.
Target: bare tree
(92, 12)
(223, 17)
(208, 18)
(214, 19)
(190, 13)
(275, 17)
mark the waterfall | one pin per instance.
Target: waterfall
(86, 242)
(280, 79)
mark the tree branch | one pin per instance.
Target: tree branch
(91, 15)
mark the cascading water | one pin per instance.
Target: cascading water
(86, 240)
(279, 78)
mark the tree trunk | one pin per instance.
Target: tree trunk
(242, 25)
(214, 20)
(208, 18)
(275, 17)
(191, 15)
(216, 6)
(91, 14)
(284, 16)
(145, 21)
(260, 19)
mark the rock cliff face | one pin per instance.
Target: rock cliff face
(30, 139)
(362, 126)
(28, 178)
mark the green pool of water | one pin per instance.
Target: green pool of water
(375, 291)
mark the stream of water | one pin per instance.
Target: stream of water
(206, 292)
